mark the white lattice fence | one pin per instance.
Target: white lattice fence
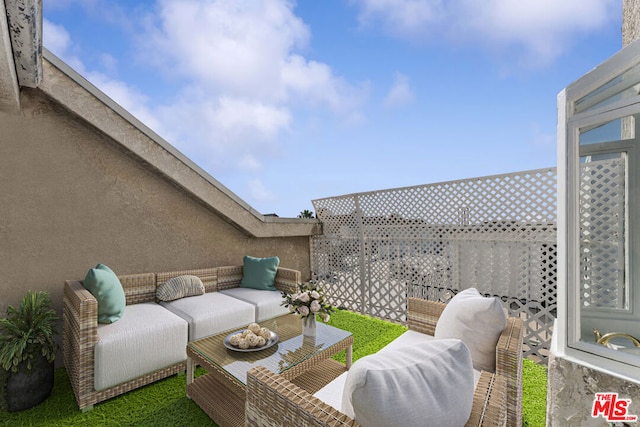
(494, 233)
(602, 233)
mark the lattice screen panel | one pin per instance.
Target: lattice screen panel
(496, 233)
(602, 214)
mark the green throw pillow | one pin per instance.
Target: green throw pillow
(260, 273)
(105, 286)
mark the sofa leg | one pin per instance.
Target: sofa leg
(87, 409)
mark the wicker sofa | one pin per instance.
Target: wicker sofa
(84, 337)
(497, 400)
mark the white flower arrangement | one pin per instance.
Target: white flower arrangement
(309, 300)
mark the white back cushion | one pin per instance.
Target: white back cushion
(426, 382)
(478, 322)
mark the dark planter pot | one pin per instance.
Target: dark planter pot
(27, 389)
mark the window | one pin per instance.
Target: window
(599, 216)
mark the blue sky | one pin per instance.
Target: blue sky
(284, 102)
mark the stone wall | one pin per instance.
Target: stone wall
(572, 391)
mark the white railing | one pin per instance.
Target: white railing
(496, 233)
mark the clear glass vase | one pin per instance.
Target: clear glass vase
(309, 325)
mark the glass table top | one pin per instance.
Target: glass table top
(291, 349)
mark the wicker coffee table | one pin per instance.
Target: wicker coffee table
(303, 360)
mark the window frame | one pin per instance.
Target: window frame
(567, 332)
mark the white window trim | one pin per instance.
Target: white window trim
(568, 163)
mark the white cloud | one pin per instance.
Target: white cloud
(246, 49)
(236, 45)
(540, 138)
(259, 192)
(540, 29)
(240, 73)
(57, 40)
(109, 63)
(128, 97)
(223, 133)
(400, 92)
(55, 37)
(403, 18)
(246, 72)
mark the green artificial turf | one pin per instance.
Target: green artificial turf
(164, 403)
(534, 394)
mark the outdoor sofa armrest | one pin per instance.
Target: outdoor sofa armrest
(509, 365)
(287, 280)
(275, 401)
(423, 315)
(80, 335)
(231, 276)
(489, 402)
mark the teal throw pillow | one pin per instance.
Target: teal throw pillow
(260, 273)
(106, 288)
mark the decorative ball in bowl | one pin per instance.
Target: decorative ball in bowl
(254, 337)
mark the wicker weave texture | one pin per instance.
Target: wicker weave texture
(214, 399)
(274, 401)
(491, 389)
(509, 364)
(231, 276)
(209, 277)
(139, 287)
(287, 279)
(423, 317)
(80, 324)
(80, 314)
(310, 373)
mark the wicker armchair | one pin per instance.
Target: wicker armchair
(423, 315)
(274, 401)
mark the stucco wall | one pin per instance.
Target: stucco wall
(71, 197)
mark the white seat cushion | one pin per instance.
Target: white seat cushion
(476, 320)
(146, 338)
(331, 394)
(411, 338)
(429, 380)
(407, 339)
(267, 303)
(211, 313)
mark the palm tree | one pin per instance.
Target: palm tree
(306, 214)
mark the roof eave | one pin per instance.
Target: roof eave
(24, 20)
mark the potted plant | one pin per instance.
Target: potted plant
(27, 352)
